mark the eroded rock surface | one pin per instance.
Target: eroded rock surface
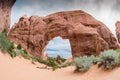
(118, 30)
(5, 13)
(86, 34)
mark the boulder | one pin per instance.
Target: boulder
(87, 35)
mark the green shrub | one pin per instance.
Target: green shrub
(19, 46)
(54, 63)
(24, 54)
(40, 60)
(59, 59)
(108, 59)
(5, 44)
(57, 62)
(65, 64)
(83, 63)
(51, 62)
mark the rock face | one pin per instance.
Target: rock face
(87, 35)
(5, 13)
(118, 30)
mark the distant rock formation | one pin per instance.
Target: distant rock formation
(118, 30)
(87, 35)
(5, 13)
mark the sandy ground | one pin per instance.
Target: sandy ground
(22, 69)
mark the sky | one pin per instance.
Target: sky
(107, 11)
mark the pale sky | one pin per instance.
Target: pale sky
(106, 11)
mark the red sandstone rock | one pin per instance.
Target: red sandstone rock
(5, 13)
(86, 34)
(118, 30)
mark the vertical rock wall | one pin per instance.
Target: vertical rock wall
(5, 13)
(118, 30)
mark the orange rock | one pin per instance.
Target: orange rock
(118, 30)
(86, 34)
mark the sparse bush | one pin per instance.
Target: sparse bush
(25, 54)
(108, 59)
(52, 63)
(57, 62)
(59, 59)
(40, 60)
(19, 46)
(5, 44)
(83, 63)
(65, 64)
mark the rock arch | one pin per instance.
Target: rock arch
(86, 34)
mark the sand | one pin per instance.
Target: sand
(22, 69)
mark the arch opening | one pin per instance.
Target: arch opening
(58, 46)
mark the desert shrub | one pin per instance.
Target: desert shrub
(5, 44)
(54, 63)
(51, 62)
(38, 59)
(108, 59)
(19, 46)
(17, 51)
(60, 60)
(57, 62)
(24, 53)
(83, 63)
(65, 64)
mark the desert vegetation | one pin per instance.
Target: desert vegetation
(107, 60)
(83, 63)
(6, 46)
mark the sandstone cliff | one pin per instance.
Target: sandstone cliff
(5, 13)
(86, 34)
(118, 30)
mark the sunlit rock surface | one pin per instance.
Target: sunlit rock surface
(87, 35)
